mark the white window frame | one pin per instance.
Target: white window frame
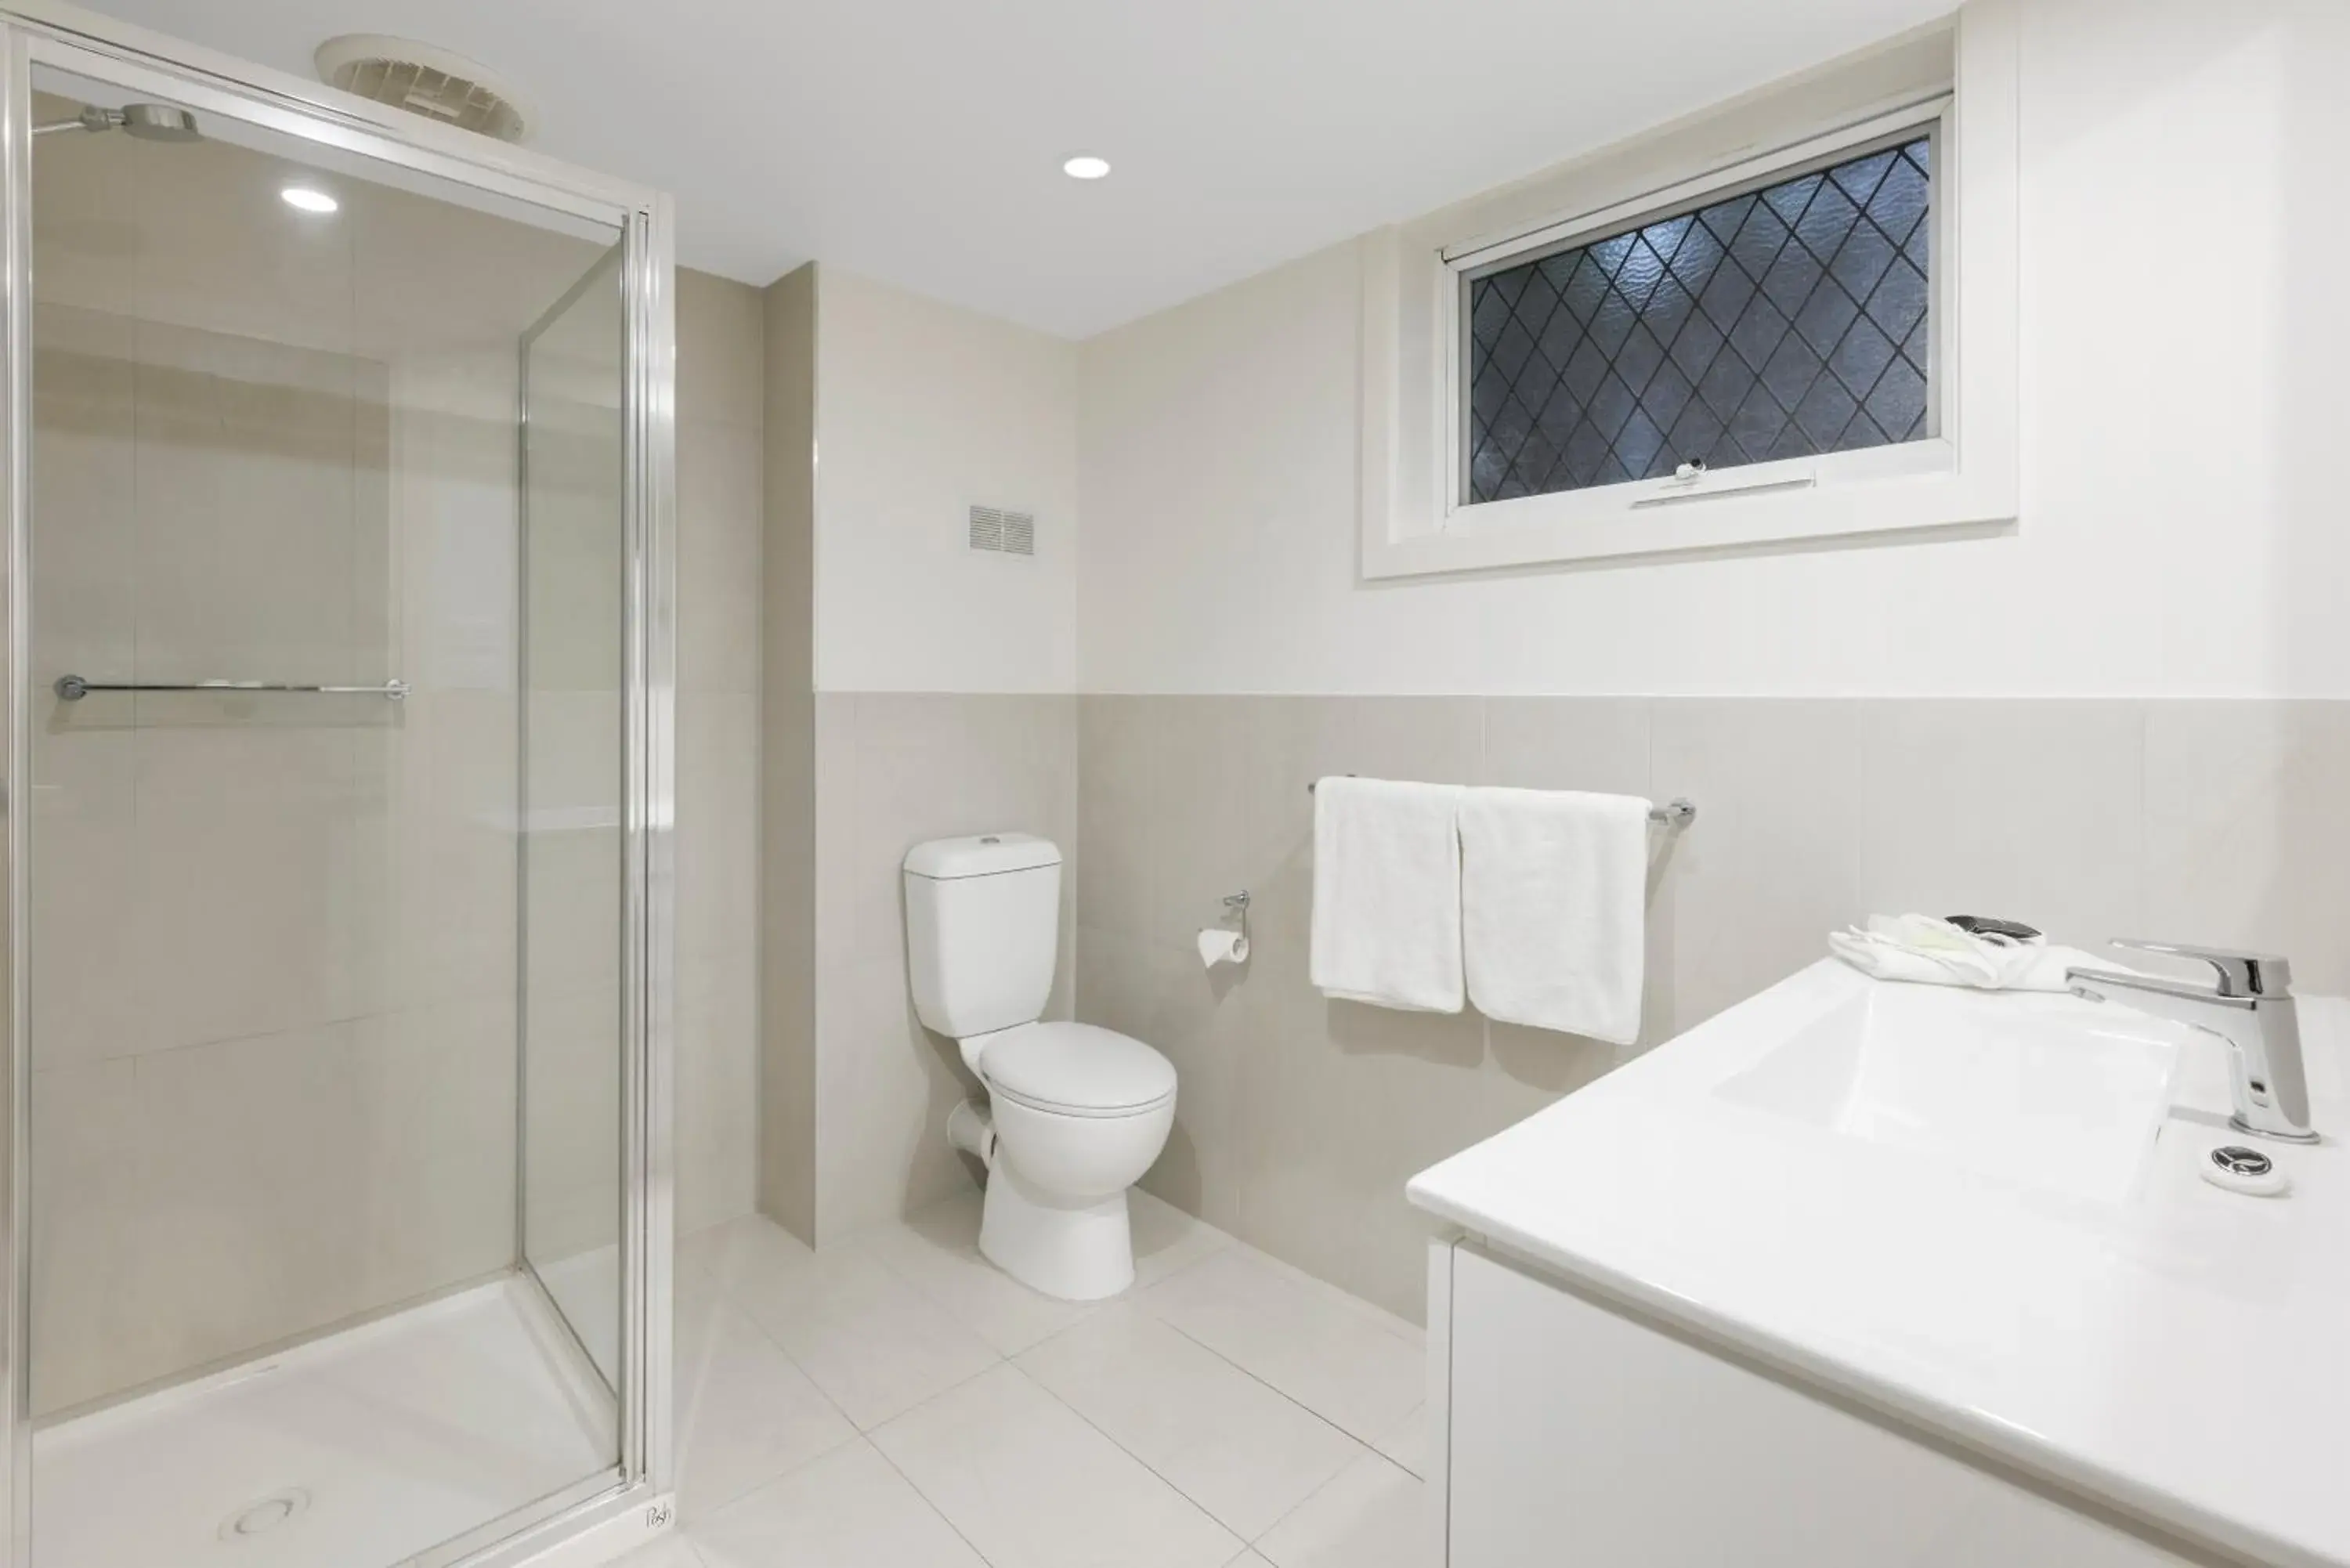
(1961, 85)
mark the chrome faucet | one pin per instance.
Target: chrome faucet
(2251, 1007)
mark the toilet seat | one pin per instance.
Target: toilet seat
(1077, 1070)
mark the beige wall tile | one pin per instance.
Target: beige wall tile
(884, 1087)
(199, 1202)
(436, 1151)
(893, 770)
(791, 721)
(251, 911)
(84, 870)
(84, 481)
(718, 548)
(305, 907)
(721, 527)
(1598, 743)
(720, 375)
(452, 845)
(571, 1159)
(276, 1027)
(249, 522)
(1815, 814)
(1299, 1119)
(1114, 814)
(2245, 843)
(717, 955)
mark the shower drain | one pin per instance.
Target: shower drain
(261, 1517)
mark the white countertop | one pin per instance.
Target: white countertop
(2184, 1355)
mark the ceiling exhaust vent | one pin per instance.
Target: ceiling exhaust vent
(424, 80)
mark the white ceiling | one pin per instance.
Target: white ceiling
(921, 140)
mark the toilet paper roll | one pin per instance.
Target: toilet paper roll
(1218, 945)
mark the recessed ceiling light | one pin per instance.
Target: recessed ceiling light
(308, 199)
(1086, 167)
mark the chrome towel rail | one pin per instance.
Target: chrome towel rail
(1678, 811)
(73, 688)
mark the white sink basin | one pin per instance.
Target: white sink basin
(1980, 1212)
(2045, 1092)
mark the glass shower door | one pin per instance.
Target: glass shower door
(339, 1209)
(572, 786)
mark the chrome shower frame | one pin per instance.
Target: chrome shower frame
(633, 1496)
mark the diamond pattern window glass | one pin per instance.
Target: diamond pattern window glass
(1786, 322)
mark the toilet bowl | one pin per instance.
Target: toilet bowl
(1075, 1114)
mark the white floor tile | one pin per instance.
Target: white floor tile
(1248, 1559)
(1341, 1358)
(1246, 1453)
(936, 1252)
(744, 1414)
(1410, 1443)
(1370, 1517)
(671, 1550)
(850, 1509)
(747, 1255)
(877, 1346)
(1165, 1238)
(1031, 1485)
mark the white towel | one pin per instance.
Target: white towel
(1928, 951)
(1554, 900)
(1387, 894)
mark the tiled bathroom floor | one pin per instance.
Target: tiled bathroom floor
(898, 1403)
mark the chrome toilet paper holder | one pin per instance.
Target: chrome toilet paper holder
(1237, 903)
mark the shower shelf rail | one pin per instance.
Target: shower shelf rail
(73, 688)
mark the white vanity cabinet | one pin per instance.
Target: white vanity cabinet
(1572, 1432)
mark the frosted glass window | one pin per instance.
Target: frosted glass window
(1788, 321)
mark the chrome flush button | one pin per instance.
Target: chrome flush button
(2240, 1168)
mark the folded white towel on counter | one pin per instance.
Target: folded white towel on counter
(1554, 909)
(1387, 894)
(1921, 948)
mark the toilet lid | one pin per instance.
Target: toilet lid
(1078, 1070)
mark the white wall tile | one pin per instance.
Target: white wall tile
(2245, 841)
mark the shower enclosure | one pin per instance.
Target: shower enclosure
(336, 794)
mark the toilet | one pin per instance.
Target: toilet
(1075, 1114)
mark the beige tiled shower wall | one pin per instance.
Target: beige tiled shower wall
(272, 980)
(273, 976)
(1299, 1119)
(893, 769)
(719, 462)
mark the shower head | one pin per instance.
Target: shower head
(147, 121)
(158, 122)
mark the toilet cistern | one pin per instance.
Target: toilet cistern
(1075, 1114)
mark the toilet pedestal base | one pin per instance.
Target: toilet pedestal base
(1075, 1249)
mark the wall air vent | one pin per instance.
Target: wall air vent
(424, 80)
(1002, 533)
